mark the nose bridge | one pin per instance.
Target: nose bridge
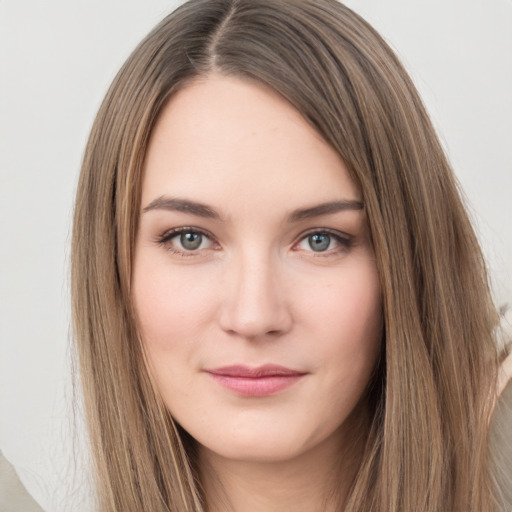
(255, 305)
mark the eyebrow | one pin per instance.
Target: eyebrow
(324, 209)
(203, 210)
(182, 205)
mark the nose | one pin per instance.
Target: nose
(254, 302)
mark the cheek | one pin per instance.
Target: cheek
(347, 317)
(169, 305)
(172, 311)
(348, 303)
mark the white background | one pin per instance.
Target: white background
(57, 58)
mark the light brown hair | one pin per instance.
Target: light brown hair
(430, 398)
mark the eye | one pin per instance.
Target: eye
(324, 241)
(319, 242)
(190, 241)
(185, 240)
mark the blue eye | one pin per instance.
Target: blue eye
(319, 242)
(185, 241)
(325, 242)
(191, 241)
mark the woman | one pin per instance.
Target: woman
(279, 302)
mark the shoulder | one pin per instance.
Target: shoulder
(505, 373)
(501, 446)
(501, 426)
(505, 348)
(13, 495)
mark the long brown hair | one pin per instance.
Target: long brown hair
(431, 394)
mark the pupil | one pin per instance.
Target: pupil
(319, 243)
(191, 241)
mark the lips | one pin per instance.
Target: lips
(260, 381)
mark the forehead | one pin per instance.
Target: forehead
(225, 137)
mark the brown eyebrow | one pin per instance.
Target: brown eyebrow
(203, 210)
(182, 205)
(324, 209)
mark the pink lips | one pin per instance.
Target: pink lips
(255, 382)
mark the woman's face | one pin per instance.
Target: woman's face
(254, 280)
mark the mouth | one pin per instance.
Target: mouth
(255, 382)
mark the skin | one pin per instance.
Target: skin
(255, 292)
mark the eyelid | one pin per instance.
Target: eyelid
(169, 234)
(344, 240)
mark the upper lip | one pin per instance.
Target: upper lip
(267, 370)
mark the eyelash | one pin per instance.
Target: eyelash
(345, 241)
(166, 238)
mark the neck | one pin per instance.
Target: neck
(318, 480)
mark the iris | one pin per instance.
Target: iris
(191, 241)
(319, 242)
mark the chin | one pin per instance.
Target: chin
(259, 451)
(262, 445)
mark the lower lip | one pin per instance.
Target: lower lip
(256, 386)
